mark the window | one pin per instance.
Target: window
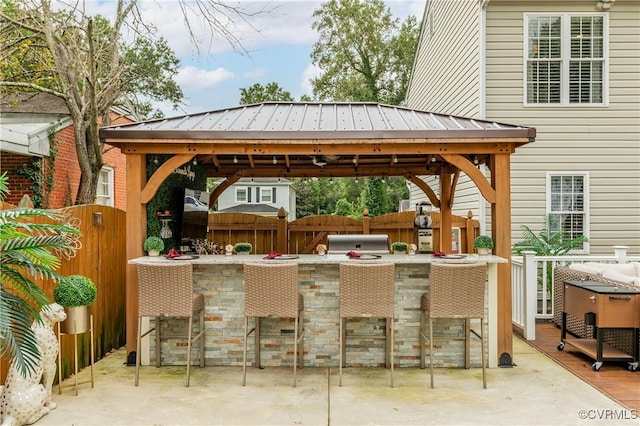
(241, 195)
(566, 59)
(567, 202)
(265, 195)
(104, 190)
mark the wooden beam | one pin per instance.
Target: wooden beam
(445, 211)
(485, 188)
(136, 228)
(456, 176)
(161, 174)
(222, 186)
(287, 161)
(426, 189)
(501, 233)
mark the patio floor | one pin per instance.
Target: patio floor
(536, 391)
(613, 378)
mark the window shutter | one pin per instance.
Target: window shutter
(257, 194)
(248, 195)
(273, 197)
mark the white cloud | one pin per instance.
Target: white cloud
(192, 78)
(310, 72)
(255, 74)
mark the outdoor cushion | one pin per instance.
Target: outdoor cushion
(617, 276)
(623, 268)
(589, 268)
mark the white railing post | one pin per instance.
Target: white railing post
(530, 294)
(620, 253)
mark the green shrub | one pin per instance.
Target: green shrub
(153, 244)
(75, 290)
(483, 241)
(399, 247)
(243, 247)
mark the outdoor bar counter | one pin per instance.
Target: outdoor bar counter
(219, 278)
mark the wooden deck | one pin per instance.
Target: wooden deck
(613, 379)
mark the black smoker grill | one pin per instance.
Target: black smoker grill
(360, 243)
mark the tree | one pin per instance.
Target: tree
(375, 197)
(86, 61)
(28, 251)
(364, 54)
(259, 93)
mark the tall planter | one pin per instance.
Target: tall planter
(78, 320)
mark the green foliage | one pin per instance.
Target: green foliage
(364, 54)
(483, 242)
(153, 244)
(243, 247)
(75, 290)
(259, 93)
(399, 247)
(170, 196)
(28, 251)
(375, 197)
(551, 241)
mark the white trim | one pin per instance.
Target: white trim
(565, 33)
(586, 204)
(109, 198)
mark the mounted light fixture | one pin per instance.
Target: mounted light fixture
(235, 160)
(604, 4)
(320, 163)
(194, 162)
(275, 160)
(395, 159)
(475, 160)
(356, 179)
(354, 160)
(433, 158)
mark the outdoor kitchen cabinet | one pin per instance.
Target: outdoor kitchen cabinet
(602, 306)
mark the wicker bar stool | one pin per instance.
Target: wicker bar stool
(164, 291)
(366, 291)
(271, 290)
(455, 291)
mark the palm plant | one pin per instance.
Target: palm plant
(28, 251)
(551, 241)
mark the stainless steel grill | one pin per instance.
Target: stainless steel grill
(360, 243)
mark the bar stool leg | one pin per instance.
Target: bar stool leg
(431, 350)
(467, 343)
(391, 348)
(244, 352)
(342, 336)
(257, 344)
(75, 360)
(158, 338)
(59, 361)
(423, 337)
(93, 353)
(387, 349)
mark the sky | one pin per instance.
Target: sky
(278, 40)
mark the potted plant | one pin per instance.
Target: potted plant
(153, 246)
(75, 293)
(243, 248)
(399, 247)
(483, 244)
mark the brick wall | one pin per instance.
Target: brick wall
(66, 172)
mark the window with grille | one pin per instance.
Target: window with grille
(241, 195)
(566, 59)
(104, 190)
(567, 203)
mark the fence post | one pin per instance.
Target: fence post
(621, 253)
(365, 221)
(471, 234)
(282, 245)
(530, 294)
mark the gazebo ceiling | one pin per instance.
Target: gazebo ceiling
(299, 139)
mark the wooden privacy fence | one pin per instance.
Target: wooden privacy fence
(301, 236)
(102, 258)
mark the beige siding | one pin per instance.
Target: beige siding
(448, 60)
(602, 141)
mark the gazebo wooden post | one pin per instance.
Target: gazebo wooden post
(282, 240)
(136, 233)
(445, 210)
(501, 232)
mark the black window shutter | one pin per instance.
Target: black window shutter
(273, 197)
(257, 194)
(248, 195)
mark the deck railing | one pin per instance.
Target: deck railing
(532, 284)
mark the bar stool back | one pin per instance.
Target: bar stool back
(271, 290)
(164, 291)
(455, 291)
(366, 291)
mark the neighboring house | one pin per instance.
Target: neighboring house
(37, 143)
(571, 69)
(261, 196)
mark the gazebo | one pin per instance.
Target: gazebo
(309, 139)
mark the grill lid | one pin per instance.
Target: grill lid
(360, 243)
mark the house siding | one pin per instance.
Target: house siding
(602, 141)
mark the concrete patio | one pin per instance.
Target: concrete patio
(537, 391)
